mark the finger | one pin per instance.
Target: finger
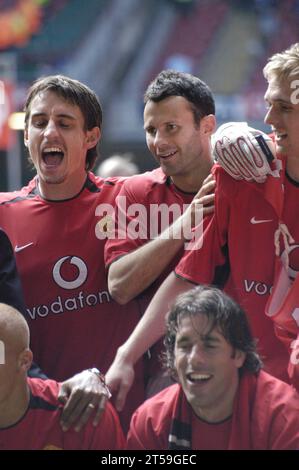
(209, 178)
(208, 210)
(84, 416)
(206, 188)
(62, 396)
(121, 398)
(100, 410)
(73, 409)
(206, 200)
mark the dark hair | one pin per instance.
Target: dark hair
(222, 312)
(73, 92)
(171, 83)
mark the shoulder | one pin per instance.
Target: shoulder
(275, 414)
(236, 190)
(143, 183)
(19, 195)
(276, 392)
(160, 406)
(46, 390)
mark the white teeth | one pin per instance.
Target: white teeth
(52, 149)
(166, 154)
(199, 376)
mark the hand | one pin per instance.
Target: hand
(82, 395)
(201, 205)
(244, 152)
(205, 198)
(119, 379)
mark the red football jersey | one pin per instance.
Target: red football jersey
(74, 322)
(238, 253)
(39, 428)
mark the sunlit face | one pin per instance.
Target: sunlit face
(283, 116)
(173, 138)
(57, 141)
(207, 368)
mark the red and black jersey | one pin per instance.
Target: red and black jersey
(238, 253)
(149, 193)
(39, 428)
(74, 322)
(265, 417)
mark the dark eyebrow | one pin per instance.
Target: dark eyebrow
(62, 115)
(210, 339)
(277, 100)
(182, 339)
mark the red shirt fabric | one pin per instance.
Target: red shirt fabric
(265, 417)
(148, 190)
(238, 253)
(39, 428)
(74, 322)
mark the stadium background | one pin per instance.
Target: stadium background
(117, 46)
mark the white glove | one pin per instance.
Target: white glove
(244, 152)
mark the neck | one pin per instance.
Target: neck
(292, 168)
(221, 409)
(13, 408)
(191, 183)
(61, 191)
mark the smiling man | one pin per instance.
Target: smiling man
(223, 400)
(179, 118)
(250, 246)
(52, 222)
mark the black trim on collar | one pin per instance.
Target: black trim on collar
(34, 192)
(37, 403)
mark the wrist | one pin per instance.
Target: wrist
(126, 354)
(101, 378)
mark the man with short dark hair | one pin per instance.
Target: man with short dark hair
(250, 245)
(223, 400)
(179, 118)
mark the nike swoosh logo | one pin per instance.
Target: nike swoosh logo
(259, 221)
(20, 248)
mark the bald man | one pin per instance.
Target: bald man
(29, 408)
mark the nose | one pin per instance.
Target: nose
(271, 117)
(51, 129)
(160, 139)
(197, 356)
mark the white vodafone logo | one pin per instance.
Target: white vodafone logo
(81, 277)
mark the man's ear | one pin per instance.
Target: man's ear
(26, 137)
(208, 124)
(25, 359)
(93, 137)
(239, 357)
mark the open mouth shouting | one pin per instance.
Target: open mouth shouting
(52, 156)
